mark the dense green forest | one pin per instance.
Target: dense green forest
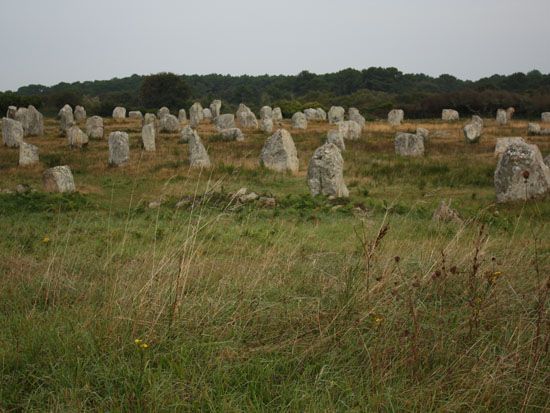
(373, 91)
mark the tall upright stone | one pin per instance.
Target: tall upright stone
(248, 120)
(279, 153)
(336, 114)
(545, 117)
(321, 114)
(355, 115)
(119, 148)
(12, 132)
(473, 130)
(510, 113)
(502, 118)
(119, 113)
(79, 113)
(225, 121)
(182, 115)
(407, 144)
(149, 118)
(325, 174)
(163, 111)
(277, 114)
(215, 108)
(299, 121)
(196, 114)
(266, 125)
(58, 179)
(148, 137)
(94, 127)
(35, 122)
(266, 112)
(336, 137)
(207, 114)
(198, 157)
(21, 116)
(395, 117)
(135, 114)
(76, 138)
(350, 129)
(521, 174)
(10, 113)
(186, 133)
(66, 119)
(28, 154)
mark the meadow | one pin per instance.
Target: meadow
(313, 305)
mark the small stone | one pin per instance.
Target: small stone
(510, 113)
(450, 115)
(250, 197)
(28, 154)
(444, 213)
(407, 144)
(533, 129)
(206, 114)
(186, 133)
(354, 115)
(148, 137)
(22, 189)
(232, 134)
(135, 114)
(545, 117)
(277, 115)
(425, 133)
(94, 127)
(154, 204)
(58, 179)
(119, 113)
(119, 148)
(267, 202)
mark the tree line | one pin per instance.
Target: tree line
(374, 91)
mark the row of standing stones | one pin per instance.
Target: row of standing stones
(521, 172)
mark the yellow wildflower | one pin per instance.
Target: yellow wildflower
(45, 240)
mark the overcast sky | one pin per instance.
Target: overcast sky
(49, 41)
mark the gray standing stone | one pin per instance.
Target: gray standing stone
(76, 138)
(248, 120)
(207, 114)
(321, 114)
(311, 114)
(521, 174)
(449, 115)
(299, 121)
(503, 143)
(21, 116)
(186, 134)
(28, 154)
(424, 133)
(119, 148)
(135, 114)
(266, 112)
(66, 119)
(215, 108)
(198, 157)
(169, 124)
(12, 132)
(196, 114)
(182, 115)
(225, 121)
(266, 125)
(545, 117)
(241, 110)
(164, 111)
(350, 130)
(473, 130)
(510, 113)
(277, 115)
(336, 114)
(35, 122)
(148, 137)
(355, 115)
(149, 118)
(10, 113)
(502, 118)
(336, 137)
(407, 144)
(325, 174)
(279, 153)
(232, 134)
(94, 127)
(79, 113)
(533, 128)
(119, 113)
(58, 179)
(395, 117)
(477, 119)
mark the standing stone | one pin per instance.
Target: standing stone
(277, 115)
(148, 137)
(248, 120)
(354, 115)
(94, 127)
(510, 113)
(407, 144)
(545, 117)
(186, 133)
(521, 174)
(225, 121)
(35, 122)
(266, 125)
(182, 115)
(336, 114)
(79, 113)
(444, 213)
(76, 138)
(321, 114)
(119, 148)
(28, 154)
(311, 114)
(11, 112)
(215, 108)
(503, 143)
(66, 119)
(149, 118)
(12, 132)
(325, 173)
(449, 115)
(502, 119)
(473, 131)
(58, 179)
(242, 109)
(266, 112)
(169, 124)
(196, 114)
(119, 113)
(533, 128)
(164, 111)
(395, 117)
(21, 116)
(198, 157)
(279, 153)
(477, 119)
(350, 130)
(424, 133)
(336, 137)
(207, 114)
(232, 134)
(135, 114)
(299, 121)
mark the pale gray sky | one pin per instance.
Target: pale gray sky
(49, 41)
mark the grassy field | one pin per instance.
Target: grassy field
(313, 305)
